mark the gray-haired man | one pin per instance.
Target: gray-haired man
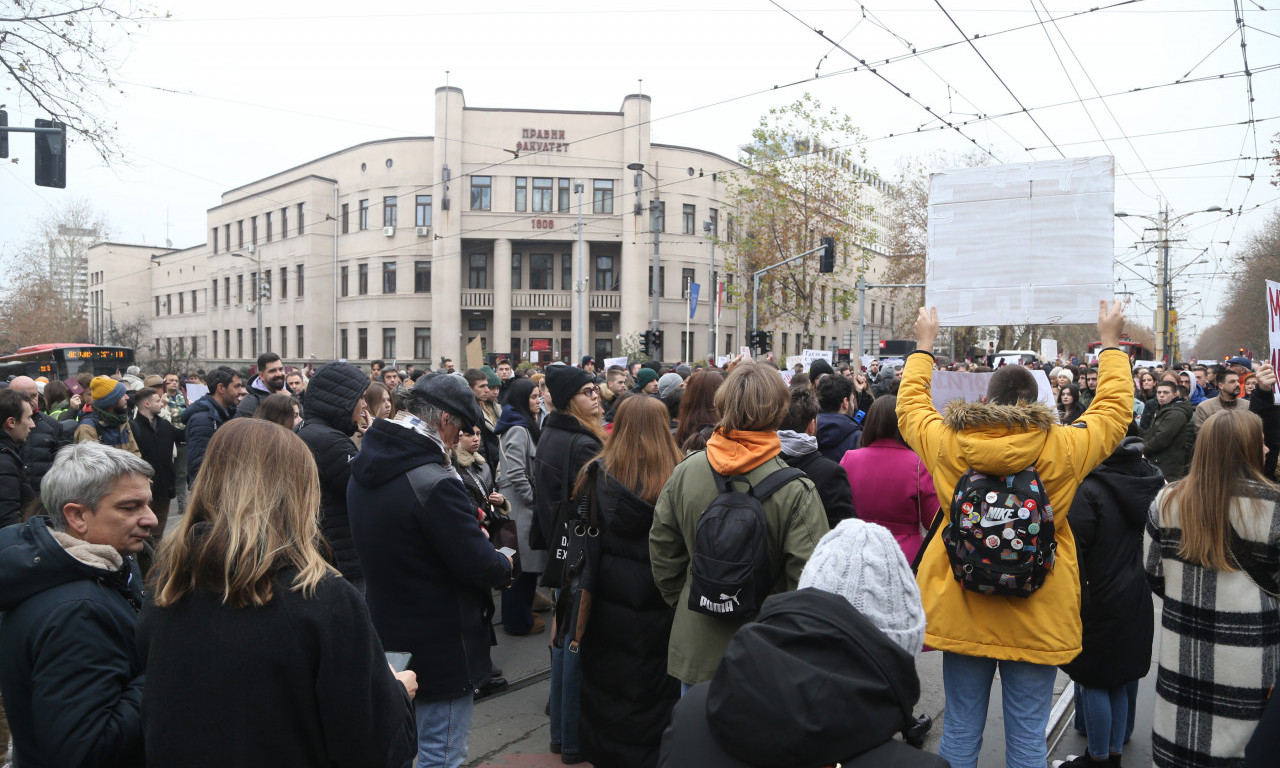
(70, 591)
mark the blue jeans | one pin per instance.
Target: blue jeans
(444, 729)
(1027, 693)
(1131, 692)
(566, 698)
(1106, 716)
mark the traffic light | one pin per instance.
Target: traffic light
(644, 344)
(51, 155)
(656, 342)
(264, 291)
(4, 135)
(828, 263)
(762, 341)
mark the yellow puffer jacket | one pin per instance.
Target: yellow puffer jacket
(1043, 628)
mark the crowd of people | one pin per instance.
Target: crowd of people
(730, 567)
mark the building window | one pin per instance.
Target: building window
(342, 344)
(364, 214)
(540, 266)
(253, 230)
(362, 281)
(422, 277)
(346, 218)
(688, 214)
(422, 211)
(215, 239)
(226, 294)
(662, 282)
(522, 193)
(240, 233)
(301, 208)
(516, 266)
(301, 352)
(182, 302)
(566, 272)
(264, 291)
(269, 229)
(604, 326)
(478, 272)
(605, 279)
(566, 324)
(540, 324)
(481, 193)
(284, 341)
(389, 343)
(713, 214)
(388, 277)
(515, 323)
(266, 335)
(226, 236)
(686, 279)
(389, 211)
(297, 280)
(542, 200)
(477, 324)
(562, 192)
(284, 223)
(239, 342)
(660, 216)
(602, 196)
(239, 289)
(215, 292)
(157, 306)
(215, 343)
(226, 342)
(345, 274)
(604, 349)
(284, 282)
(422, 344)
(168, 304)
(194, 308)
(362, 343)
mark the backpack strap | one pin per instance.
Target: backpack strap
(778, 478)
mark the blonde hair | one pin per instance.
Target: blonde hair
(255, 507)
(753, 398)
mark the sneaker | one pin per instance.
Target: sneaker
(555, 747)
(572, 758)
(542, 603)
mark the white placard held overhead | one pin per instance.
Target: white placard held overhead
(972, 387)
(794, 360)
(1001, 239)
(1048, 350)
(808, 356)
(1273, 321)
(609, 362)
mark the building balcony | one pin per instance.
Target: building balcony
(477, 299)
(606, 300)
(541, 299)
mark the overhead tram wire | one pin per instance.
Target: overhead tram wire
(1166, 133)
(1253, 126)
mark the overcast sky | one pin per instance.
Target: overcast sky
(224, 93)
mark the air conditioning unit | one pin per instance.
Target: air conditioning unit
(424, 231)
(389, 231)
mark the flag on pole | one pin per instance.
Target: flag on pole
(693, 299)
(719, 298)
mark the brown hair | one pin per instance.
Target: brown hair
(697, 407)
(591, 421)
(1012, 384)
(277, 409)
(802, 411)
(1228, 455)
(258, 496)
(374, 396)
(881, 422)
(641, 453)
(753, 398)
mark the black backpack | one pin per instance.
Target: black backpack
(730, 577)
(999, 536)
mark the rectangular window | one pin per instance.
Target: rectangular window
(240, 233)
(566, 324)
(422, 211)
(389, 211)
(605, 280)
(542, 196)
(269, 222)
(226, 295)
(342, 344)
(686, 277)
(301, 352)
(194, 308)
(346, 218)
(540, 324)
(362, 282)
(481, 193)
(515, 323)
(364, 214)
(215, 343)
(422, 277)
(713, 215)
(297, 282)
(688, 214)
(265, 289)
(344, 280)
(182, 302)
(284, 341)
(226, 235)
(540, 266)
(266, 334)
(362, 343)
(566, 272)
(388, 277)
(226, 342)
(301, 208)
(659, 216)
(478, 271)
(215, 239)
(562, 192)
(662, 282)
(422, 344)
(602, 196)
(253, 230)
(239, 289)
(522, 193)
(284, 282)
(516, 268)
(389, 343)
(168, 304)
(604, 326)
(157, 306)
(284, 223)
(477, 324)
(215, 292)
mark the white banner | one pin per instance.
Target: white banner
(866, 361)
(609, 362)
(972, 387)
(807, 356)
(1148, 364)
(722, 360)
(795, 360)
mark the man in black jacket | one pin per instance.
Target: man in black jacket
(429, 569)
(335, 406)
(47, 436)
(208, 413)
(15, 426)
(156, 439)
(70, 591)
(838, 433)
(1172, 435)
(269, 381)
(800, 450)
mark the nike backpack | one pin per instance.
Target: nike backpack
(731, 577)
(999, 535)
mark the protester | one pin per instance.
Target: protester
(377, 401)
(296, 383)
(280, 408)
(889, 483)
(108, 423)
(156, 440)
(208, 413)
(647, 382)
(800, 450)
(15, 427)
(838, 432)
(270, 379)
(1172, 435)
(626, 693)
(1227, 397)
(70, 592)
(519, 434)
(429, 568)
(506, 377)
(1070, 409)
(1262, 402)
(46, 437)
(242, 567)
(1024, 637)
(1107, 517)
(1212, 545)
(752, 403)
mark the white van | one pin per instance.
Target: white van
(1015, 357)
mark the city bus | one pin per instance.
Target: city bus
(64, 361)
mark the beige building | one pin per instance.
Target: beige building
(408, 248)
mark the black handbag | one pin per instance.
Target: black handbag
(581, 565)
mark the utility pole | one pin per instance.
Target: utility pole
(582, 275)
(863, 285)
(655, 278)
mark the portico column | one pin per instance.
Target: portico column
(502, 297)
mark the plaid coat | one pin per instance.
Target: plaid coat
(1220, 638)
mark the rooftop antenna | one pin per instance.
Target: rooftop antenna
(639, 143)
(168, 243)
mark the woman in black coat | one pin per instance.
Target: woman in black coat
(627, 695)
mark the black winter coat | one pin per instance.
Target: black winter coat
(43, 443)
(299, 681)
(1170, 439)
(838, 433)
(203, 417)
(156, 438)
(253, 397)
(69, 666)
(327, 432)
(1107, 518)
(837, 690)
(429, 569)
(15, 489)
(564, 448)
(1262, 402)
(831, 481)
(627, 695)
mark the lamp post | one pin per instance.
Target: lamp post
(582, 275)
(257, 293)
(713, 292)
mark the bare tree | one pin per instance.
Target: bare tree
(1245, 308)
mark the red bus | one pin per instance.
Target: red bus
(64, 361)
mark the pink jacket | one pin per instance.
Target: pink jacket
(892, 488)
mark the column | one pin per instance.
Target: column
(500, 339)
(581, 270)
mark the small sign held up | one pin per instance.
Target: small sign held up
(1273, 321)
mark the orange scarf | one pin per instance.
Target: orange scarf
(740, 451)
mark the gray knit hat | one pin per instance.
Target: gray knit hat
(863, 563)
(668, 382)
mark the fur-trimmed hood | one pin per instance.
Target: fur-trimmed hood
(1000, 439)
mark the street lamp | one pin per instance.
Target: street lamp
(257, 292)
(582, 275)
(713, 293)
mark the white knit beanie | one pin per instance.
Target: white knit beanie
(863, 563)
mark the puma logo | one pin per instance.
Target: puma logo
(726, 605)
